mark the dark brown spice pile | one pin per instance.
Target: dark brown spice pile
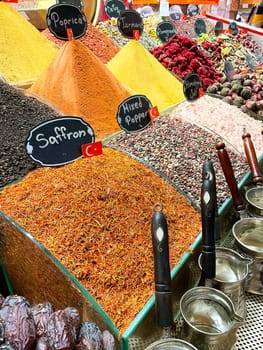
(18, 114)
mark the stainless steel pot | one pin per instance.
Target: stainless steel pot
(209, 319)
(254, 196)
(248, 234)
(171, 344)
(231, 276)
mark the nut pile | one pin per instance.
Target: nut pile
(178, 149)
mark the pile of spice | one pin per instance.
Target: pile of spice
(178, 149)
(99, 43)
(148, 39)
(226, 120)
(181, 55)
(18, 114)
(79, 84)
(25, 53)
(135, 67)
(95, 216)
(185, 27)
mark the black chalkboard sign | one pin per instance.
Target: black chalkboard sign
(65, 16)
(165, 30)
(259, 55)
(233, 26)
(229, 70)
(191, 86)
(199, 26)
(192, 10)
(58, 141)
(252, 64)
(219, 28)
(175, 12)
(128, 22)
(114, 8)
(77, 3)
(133, 113)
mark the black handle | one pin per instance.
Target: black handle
(162, 275)
(208, 212)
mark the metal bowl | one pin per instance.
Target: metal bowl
(248, 233)
(171, 344)
(254, 198)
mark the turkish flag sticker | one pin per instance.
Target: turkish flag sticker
(91, 149)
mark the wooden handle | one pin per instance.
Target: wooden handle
(252, 159)
(230, 176)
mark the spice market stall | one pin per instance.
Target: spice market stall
(79, 234)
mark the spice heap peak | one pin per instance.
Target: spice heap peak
(25, 53)
(137, 68)
(79, 84)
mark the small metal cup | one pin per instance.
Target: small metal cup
(248, 234)
(231, 276)
(209, 319)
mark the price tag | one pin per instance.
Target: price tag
(165, 30)
(192, 87)
(77, 3)
(192, 10)
(58, 141)
(175, 12)
(229, 70)
(259, 55)
(200, 26)
(114, 8)
(233, 27)
(252, 64)
(219, 27)
(64, 16)
(133, 113)
(128, 22)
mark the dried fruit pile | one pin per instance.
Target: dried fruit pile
(27, 327)
(178, 149)
(182, 55)
(94, 215)
(228, 47)
(244, 91)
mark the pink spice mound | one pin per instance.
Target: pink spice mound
(226, 120)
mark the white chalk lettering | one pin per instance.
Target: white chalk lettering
(137, 118)
(65, 22)
(61, 134)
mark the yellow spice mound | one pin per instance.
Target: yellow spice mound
(137, 68)
(25, 53)
(79, 84)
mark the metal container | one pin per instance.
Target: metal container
(171, 344)
(248, 234)
(231, 276)
(254, 198)
(209, 319)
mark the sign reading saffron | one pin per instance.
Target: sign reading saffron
(58, 141)
(128, 22)
(61, 17)
(133, 113)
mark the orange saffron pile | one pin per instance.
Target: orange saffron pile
(94, 215)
